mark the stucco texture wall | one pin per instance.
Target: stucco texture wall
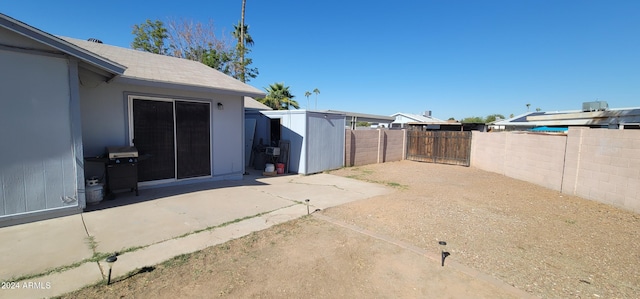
(105, 120)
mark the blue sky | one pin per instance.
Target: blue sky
(456, 58)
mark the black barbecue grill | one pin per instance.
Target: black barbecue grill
(122, 168)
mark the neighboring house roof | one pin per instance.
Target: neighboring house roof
(250, 103)
(575, 118)
(415, 118)
(371, 118)
(144, 68)
(60, 45)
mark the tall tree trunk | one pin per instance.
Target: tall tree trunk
(244, 2)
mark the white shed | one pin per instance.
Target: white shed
(316, 138)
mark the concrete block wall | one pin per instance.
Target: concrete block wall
(598, 164)
(604, 165)
(364, 147)
(361, 147)
(538, 159)
(488, 151)
(393, 148)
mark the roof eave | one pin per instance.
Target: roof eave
(187, 87)
(60, 45)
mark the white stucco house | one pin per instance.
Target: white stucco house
(63, 100)
(402, 119)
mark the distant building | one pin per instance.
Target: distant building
(402, 119)
(593, 115)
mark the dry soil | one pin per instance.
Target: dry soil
(540, 241)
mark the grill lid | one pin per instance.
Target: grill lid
(116, 152)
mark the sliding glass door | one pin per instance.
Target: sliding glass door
(173, 138)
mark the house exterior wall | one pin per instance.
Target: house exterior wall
(598, 164)
(105, 122)
(38, 171)
(402, 119)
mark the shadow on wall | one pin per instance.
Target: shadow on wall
(295, 147)
(352, 149)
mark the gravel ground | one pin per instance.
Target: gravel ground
(539, 240)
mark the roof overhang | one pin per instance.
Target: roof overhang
(186, 87)
(60, 45)
(278, 113)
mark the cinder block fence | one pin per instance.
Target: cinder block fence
(364, 147)
(598, 164)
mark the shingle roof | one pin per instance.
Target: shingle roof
(250, 103)
(163, 69)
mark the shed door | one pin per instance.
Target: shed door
(173, 139)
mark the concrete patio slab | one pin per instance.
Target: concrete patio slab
(153, 221)
(163, 223)
(55, 284)
(36, 247)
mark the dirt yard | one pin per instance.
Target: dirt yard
(542, 242)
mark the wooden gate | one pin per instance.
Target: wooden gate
(439, 147)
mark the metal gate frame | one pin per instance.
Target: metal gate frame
(444, 147)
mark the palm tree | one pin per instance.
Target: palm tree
(307, 94)
(316, 91)
(279, 97)
(528, 105)
(239, 30)
(240, 33)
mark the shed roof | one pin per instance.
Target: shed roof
(372, 118)
(165, 71)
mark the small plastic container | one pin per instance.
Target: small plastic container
(94, 194)
(269, 168)
(280, 168)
